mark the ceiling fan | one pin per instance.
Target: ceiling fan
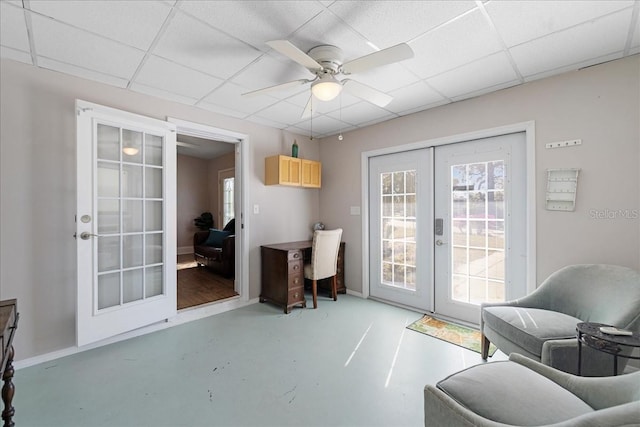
(326, 62)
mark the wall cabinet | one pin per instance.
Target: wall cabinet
(285, 170)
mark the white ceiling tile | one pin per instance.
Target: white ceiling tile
(192, 43)
(635, 38)
(134, 23)
(413, 96)
(162, 74)
(230, 96)
(483, 73)
(267, 122)
(357, 113)
(282, 112)
(268, 71)
(377, 120)
(13, 30)
(63, 43)
(417, 17)
(81, 72)
(573, 67)
(321, 125)
(16, 55)
(486, 90)
(222, 110)
(254, 22)
(452, 45)
(159, 93)
(595, 38)
(521, 21)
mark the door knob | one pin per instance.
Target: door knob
(439, 242)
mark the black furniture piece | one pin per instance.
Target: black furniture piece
(220, 259)
(589, 334)
(8, 324)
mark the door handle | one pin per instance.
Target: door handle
(85, 235)
(440, 242)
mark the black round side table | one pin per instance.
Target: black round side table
(591, 335)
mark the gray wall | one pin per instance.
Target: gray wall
(599, 105)
(38, 186)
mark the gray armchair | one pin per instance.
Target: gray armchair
(542, 325)
(523, 392)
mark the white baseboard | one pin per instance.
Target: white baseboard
(185, 250)
(184, 316)
(354, 293)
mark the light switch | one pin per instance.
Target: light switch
(256, 209)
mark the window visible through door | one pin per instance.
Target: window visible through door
(226, 180)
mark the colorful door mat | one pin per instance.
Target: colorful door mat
(450, 332)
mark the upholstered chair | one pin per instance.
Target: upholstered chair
(542, 325)
(324, 261)
(523, 392)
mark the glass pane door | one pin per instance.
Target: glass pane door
(129, 172)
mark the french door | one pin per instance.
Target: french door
(125, 222)
(455, 236)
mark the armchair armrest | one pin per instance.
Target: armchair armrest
(200, 237)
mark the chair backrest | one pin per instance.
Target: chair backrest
(324, 253)
(594, 293)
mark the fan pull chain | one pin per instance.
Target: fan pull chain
(311, 123)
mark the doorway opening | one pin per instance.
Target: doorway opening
(209, 213)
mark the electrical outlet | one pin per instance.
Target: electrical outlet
(560, 144)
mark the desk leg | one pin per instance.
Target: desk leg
(579, 353)
(7, 391)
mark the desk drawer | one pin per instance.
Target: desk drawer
(296, 295)
(295, 268)
(294, 256)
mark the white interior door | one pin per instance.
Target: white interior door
(126, 200)
(401, 242)
(480, 212)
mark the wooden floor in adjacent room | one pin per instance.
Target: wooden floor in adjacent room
(200, 285)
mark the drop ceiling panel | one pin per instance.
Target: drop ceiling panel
(160, 93)
(13, 30)
(81, 72)
(252, 21)
(596, 38)
(522, 21)
(166, 75)
(360, 112)
(282, 112)
(222, 110)
(369, 18)
(413, 96)
(483, 73)
(322, 125)
(230, 96)
(196, 45)
(387, 78)
(70, 45)
(452, 45)
(134, 23)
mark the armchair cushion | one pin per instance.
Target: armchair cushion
(216, 237)
(530, 327)
(508, 392)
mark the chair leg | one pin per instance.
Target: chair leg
(484, 344)
(314, 290)
(334, 288)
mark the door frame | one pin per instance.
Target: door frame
(241, 200)
(527, 127)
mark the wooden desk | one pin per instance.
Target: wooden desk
(283, 273)
(8, 325)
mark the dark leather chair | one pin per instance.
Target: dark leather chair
(220, 259)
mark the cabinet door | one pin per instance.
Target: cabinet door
(311, 173)
(289, 170)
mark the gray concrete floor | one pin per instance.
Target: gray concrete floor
(348, 363)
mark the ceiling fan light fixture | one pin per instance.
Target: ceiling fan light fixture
(130, 151)
(326, 88)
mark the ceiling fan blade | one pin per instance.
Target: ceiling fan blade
(289, 50)
(308, 109)
(367, 93)
(396, 53)
(277, 87)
